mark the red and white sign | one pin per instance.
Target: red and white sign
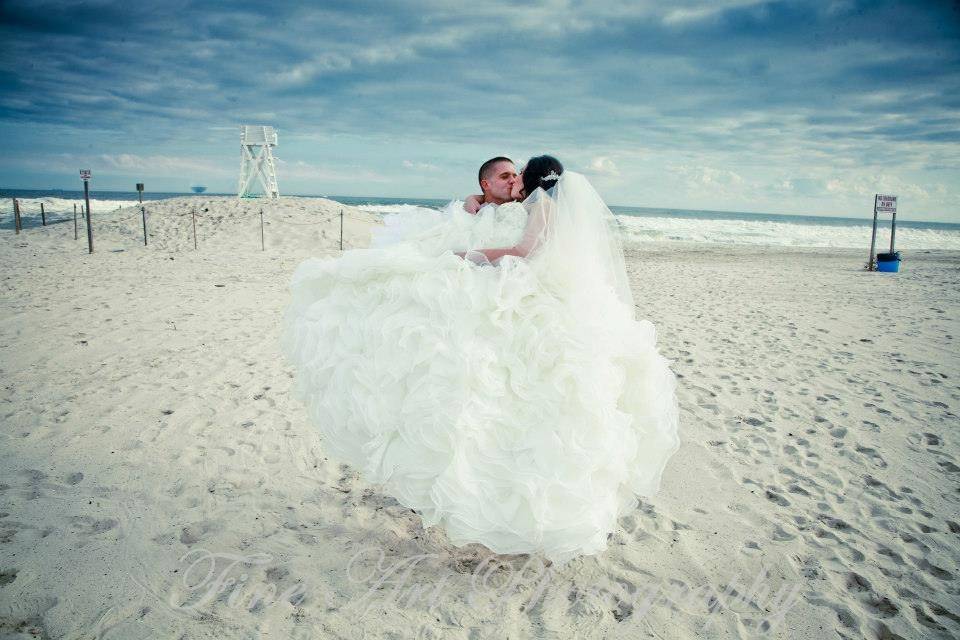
(885, 204)
(85, 174)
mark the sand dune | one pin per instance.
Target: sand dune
(151, 452)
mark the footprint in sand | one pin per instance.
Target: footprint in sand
(875, 458)
(773, 496)
(87, 526)
(948, 466)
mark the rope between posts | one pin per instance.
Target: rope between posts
(325, 221)
(138, 211)
(113, 215)
(205, 215)
(135, 211)
(299, 224)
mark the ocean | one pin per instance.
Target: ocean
(639, 224)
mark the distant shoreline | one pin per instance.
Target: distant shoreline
(439, 202)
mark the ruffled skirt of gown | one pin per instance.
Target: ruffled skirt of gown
(510, 414)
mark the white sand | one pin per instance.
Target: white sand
(147, 415)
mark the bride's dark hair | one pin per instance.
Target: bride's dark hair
(537, 169)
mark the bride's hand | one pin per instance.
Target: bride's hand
(473, 203)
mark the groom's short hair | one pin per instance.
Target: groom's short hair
(487, 167)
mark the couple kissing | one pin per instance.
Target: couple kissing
(500, 182)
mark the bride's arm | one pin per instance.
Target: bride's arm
(533, 235)
(496, 254)
(473, 203)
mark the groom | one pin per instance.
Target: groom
(497, 177)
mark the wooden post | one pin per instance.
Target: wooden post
(194, 228)
(262, 245)
(871, 263)
(143, 211)
(893, 229)
(86, 199)
(43, 215)
(341, 229)
(16, 215)
(74, 220)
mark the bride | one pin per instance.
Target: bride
(507, 394)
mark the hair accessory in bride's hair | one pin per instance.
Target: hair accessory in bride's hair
(553, 176)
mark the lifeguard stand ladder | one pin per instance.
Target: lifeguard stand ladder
(882, 204)
(256, 160)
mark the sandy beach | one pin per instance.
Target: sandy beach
(157, 479)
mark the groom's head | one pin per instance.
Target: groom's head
(497, 176)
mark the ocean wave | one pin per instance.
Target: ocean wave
(641, 229)
(386, 209)
(51, 205)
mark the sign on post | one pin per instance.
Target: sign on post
(885, 204)
(85, 174)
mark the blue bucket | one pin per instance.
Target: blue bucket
(889, 262)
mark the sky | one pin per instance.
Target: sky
(730, 105)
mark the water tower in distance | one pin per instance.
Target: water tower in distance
(198, 189)
(256, 160)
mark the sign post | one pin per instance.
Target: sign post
(893, 225)
(85, 175)
(140, 191)
(882, 204)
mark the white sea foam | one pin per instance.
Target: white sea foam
(644, 229)
(385, 209)
(639, 229)
(62, 206)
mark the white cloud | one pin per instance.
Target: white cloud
(310, 69)
(420, 166)
(393, 51)
(687, 15)
(604, 166)
(164, 165)
(710, 176)
(300, 170)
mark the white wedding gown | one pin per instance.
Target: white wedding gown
(501, 406)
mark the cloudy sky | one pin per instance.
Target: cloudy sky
(735, 105)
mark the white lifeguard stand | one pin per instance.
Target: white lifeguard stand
(256, 160)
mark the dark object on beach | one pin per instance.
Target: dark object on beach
(889, 262)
